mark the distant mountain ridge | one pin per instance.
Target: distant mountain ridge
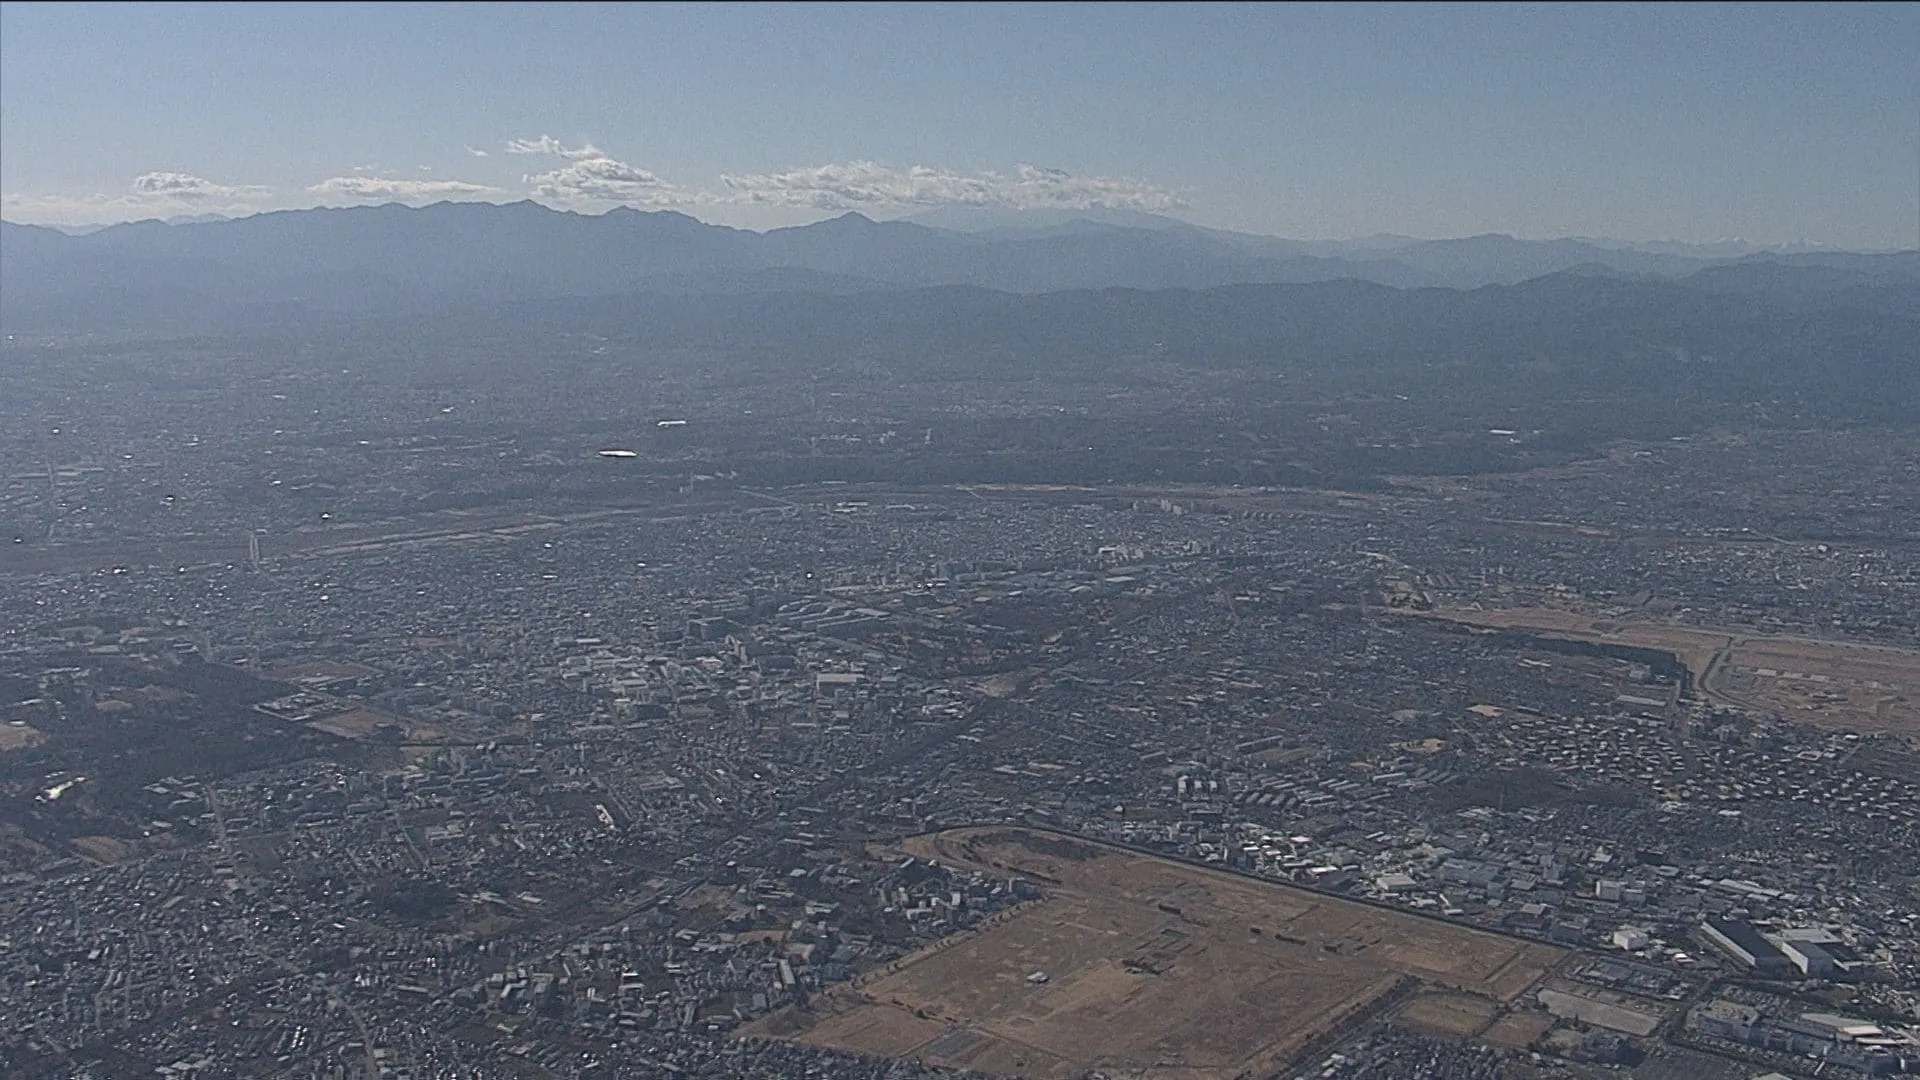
(392, 259)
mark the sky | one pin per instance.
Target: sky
(1769, 123)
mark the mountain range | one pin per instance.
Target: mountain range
(394, 260)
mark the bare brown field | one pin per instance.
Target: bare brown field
(1517, 1030)
(318, 672)
(362, 722)
(20, 737)
(356, 724)
(103, 849)
(1142, 967)
(1696, 648)
(1591, 1005)
(1455, 1015)
(1828, 684)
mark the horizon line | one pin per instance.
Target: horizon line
(186, 221)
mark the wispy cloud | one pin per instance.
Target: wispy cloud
(604, 180)
(157, 194)
(584, 177)
(377, 188)
(186, 186)
(1031, 186)
(591, 176)
(74, 209)
(547, 144)
(858, 184)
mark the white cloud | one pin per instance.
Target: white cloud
(1037, 188)
(592, 177)
(547, 144)
(157, 194)
(71, 209)
(186, 186)
(382, 188)
(604, 180)
(860, 183)
(585, 177)
(856, 184)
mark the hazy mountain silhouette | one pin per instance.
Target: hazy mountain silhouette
(1838, 331)
(394, 258)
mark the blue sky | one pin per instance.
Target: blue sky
(1773, 123)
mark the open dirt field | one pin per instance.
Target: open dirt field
(20, 737)
(103, 849)
(1601, 1008)
(1855, 687)
(1696, 648)
(318, 674)
(1517, 1030)
(355, 724)
(1144, 967)
(1827, 684)
(1456, 1015)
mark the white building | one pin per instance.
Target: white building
(1631, 938)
